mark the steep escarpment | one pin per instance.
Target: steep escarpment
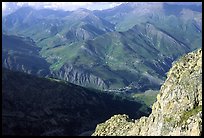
(80, 76)
(178, 109)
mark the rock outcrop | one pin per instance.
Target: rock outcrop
(177, 111)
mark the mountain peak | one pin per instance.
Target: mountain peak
(83, 9)
(25, 9)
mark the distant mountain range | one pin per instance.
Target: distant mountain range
(130, 46)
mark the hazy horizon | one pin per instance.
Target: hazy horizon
(9, 7)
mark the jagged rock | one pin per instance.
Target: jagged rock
(177, 111)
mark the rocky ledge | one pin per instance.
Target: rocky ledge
(177, 111)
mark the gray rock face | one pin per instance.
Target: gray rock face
(178, 109)
(79, 76)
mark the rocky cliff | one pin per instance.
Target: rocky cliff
(178, 109)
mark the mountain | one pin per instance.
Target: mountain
(116, 14)
(62, 26)
(22, 54)
(177, 111)
(127, 15)
(127, 48)
(140, 57)
(46, 106)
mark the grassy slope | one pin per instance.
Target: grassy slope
(148, 97)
